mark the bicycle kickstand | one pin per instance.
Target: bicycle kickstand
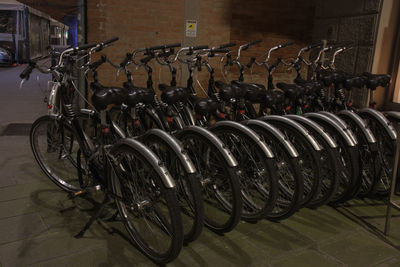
(94, 217)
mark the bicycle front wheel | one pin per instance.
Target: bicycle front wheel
(148, 208)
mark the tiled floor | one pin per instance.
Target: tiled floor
(38, 221)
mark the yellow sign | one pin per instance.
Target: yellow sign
(191, 28)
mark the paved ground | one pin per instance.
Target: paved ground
(37, 221)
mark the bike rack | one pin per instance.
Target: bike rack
(392, 203)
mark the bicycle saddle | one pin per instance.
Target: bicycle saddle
(104, 96)
(375, 80)
(171, 94)
(292, 91)
(205, 106)
(228, 92)
(329, 77)
(251, 91)
(138, 94)
(354, 82)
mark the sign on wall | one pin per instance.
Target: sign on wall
(191, 28)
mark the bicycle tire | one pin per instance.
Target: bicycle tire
(289, 175)
(309, 160)
(258, 178)
(212, 169)
(53, 130)
(149, 189)
(188, 188)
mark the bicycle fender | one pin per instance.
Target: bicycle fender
(227, 154)
(342, 123)
(392, 115)
(360, 123)
(248, 132)
(321, 117)
(316, 127)
(173, 144)
(275, 132)
(381, 119)
(160, 168)
(297, 126)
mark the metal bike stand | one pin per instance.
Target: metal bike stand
(391, 202)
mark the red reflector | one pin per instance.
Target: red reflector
(306, 106)
(137, 122)
(287, 108)
(198, 116)
(49, 106)
(105, 130)
(169, 119)
(222, 115)
(242, 111)
(350, 104)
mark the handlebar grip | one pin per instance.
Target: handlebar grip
(286, 44)
(226, 45)
(219, 50)
(109, 41)
(247, 46)
(199, 47)
(173, 45)
(85, 46)
(251, 62)
(27, 71)
(126, 60)
(312, 46)
(97, 63)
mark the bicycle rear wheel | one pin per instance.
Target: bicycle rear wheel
(148, 208)
(55, 149)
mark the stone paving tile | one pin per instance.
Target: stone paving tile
(309, 258)
(16, 207)
(359, 250)
(21, 227)
(24, 190)
(84, 258)
(45, 247)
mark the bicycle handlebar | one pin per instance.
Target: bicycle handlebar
(248, 45)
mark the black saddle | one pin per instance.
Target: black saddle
(104, 96)
(205, 106)
(172, 94)
(292, 91)
(138, 94)
(354, 82)
(229, 91)
(252, 91)
(375, 80)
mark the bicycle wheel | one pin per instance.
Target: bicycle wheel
(148, 208)
(290, 179)
(258, 178)
(329, 173)
(370, 163)
(55, 149)
(386, 153)
(349, 168)
(188, 187)
(220, 184)
(309, 161)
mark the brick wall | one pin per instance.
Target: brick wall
(142, 23)
(138, 23)
(275, 22)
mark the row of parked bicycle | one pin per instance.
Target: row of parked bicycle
(174, 163)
